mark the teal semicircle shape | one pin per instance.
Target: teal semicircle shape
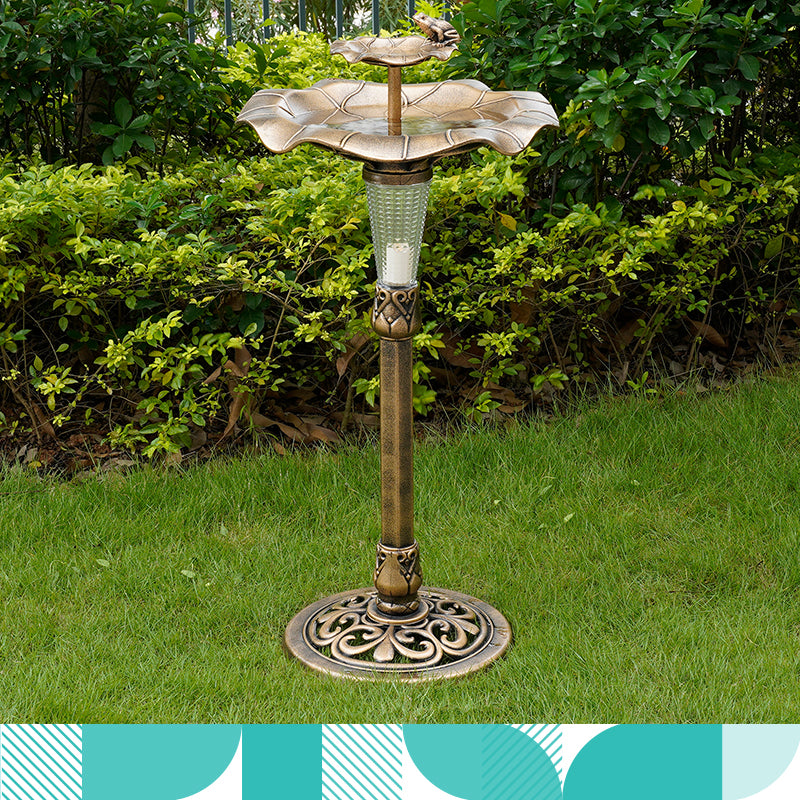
(482, 762)
(652, 762)
(755, 756)
(157, 762)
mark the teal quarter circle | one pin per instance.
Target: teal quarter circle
(157, 762)
(649, 762)
(755, 756)
(482, 762)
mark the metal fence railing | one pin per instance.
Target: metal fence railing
(286, 16)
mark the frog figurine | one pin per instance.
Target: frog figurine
(439, 31)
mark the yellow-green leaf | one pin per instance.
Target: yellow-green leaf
(509, 222)
(774, 246)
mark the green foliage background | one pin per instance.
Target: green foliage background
(645, 90)
(193, 281)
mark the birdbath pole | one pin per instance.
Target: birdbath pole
(397, 627)
(394, 85)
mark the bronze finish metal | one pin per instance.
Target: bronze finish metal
(394, 88)
(398, 577)
(397, 628)
(397, 432)
(402, 51)
(345, 116)
(395, 313)
(439, 31)
(343, 636)
(395, 317)
(389, 177)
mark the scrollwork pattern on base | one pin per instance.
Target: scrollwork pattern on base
(395, 312)
(345, 633)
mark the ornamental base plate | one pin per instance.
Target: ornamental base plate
(450, 634)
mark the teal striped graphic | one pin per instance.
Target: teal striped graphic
(513, 769)
(548, 737)
(40, 762)
(362, 762)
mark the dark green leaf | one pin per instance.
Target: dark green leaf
(122, 144)
(749, 66)
(706, 126)
(145, 141)
(249, 317)
(641, 101)
(105, 130)
(774, 246)
(659, 131)
(123, 112)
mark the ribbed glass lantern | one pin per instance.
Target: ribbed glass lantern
(397, 217)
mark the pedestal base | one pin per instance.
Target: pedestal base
(346, 635)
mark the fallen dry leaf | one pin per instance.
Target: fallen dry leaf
(454, 352)
(260, 421)
(242, 358)
(301, 393)
(321, 434)
(213, 376)
(295, 422)
(367, 420)
(706, 332)
(521, 312)
(197, 438)
(624, 336)
(354, 344)
(234, 369)
(292, 432)
(235, 300)
(233, 413)
(505, 396)
(173, 459)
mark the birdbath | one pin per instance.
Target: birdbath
(398, 132)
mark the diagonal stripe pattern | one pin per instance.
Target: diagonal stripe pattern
(40, 762)
(548, 737)
(362, 762)
(514, 769)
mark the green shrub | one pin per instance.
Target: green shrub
(91, 80)
(297, 60)
(140, 287)
(567, 291)
(644, 90)
(109, 80)
(154, 306)
(321, 16)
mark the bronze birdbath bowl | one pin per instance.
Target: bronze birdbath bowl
(398, 627)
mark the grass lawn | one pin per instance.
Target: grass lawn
(646, 553)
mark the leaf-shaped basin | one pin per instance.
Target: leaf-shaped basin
(403, 51)
(438, 119)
